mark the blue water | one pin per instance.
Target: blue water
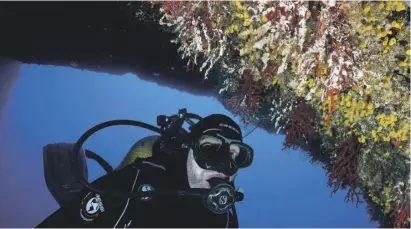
(51, 104)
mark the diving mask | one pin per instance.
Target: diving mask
(218, 153)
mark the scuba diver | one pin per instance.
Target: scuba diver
(187, 180)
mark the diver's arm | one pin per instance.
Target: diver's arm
(92, 210)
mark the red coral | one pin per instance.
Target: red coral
(344, 52)
(344, 170)
(294, 20)
(277, 13)
(302, 125)
(402, 219)
(250, 92)
(332, 107)
(401, 211)
(170, 7)
(269, 72)
(190, 62)
(274, 15)
(190, 11)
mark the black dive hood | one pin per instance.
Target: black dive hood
(218, 199)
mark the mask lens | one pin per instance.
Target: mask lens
(209, 145)
(241, 154)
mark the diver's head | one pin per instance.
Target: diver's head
(217, 151)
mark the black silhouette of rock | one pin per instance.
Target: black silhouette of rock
(98, 36)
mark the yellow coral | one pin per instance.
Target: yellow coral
(392, 41)
(382, 34)
(310, 83)
(374, 135)
(238, 4)
(385, 41)
(400, 6)
(388, 5)
(361, 139)
(328, 133)
(239, 15)
(354, 102)
(386, 155)
(368, 28)
(396, 25)
(246, 23)
(367, 9)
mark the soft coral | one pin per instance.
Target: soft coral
(302, 126)
(344, 170)
(251, 93)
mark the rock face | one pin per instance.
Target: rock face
(97, 36)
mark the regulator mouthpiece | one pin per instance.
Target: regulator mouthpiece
(221, 196)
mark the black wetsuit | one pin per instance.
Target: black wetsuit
(92, 210)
